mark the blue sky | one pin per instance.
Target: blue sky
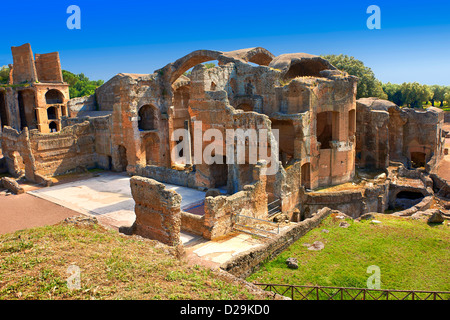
(137, 36)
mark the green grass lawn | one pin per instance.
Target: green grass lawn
(411, 255)
(34, 265)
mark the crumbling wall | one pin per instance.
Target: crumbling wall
(57, 153)
(352, 202)
(372, 138)
(166, 175)
(423, 135)
(125, 95)
(410, 136)
(78, 106)
(158, 211)
(17, 152)
(251, 201)
(246, 263)
(24, 68)
(48, 67)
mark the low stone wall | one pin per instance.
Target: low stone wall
(193, 223)
(166, 175)
(441, 186)
(352, 202)
(245, 263)
(158, 211)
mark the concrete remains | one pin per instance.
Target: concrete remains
(334, 151)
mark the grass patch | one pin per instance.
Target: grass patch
(411, 255)
(34, 265)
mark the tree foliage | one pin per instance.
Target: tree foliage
(415, 94)
(4, 74)
(439, 93)
(394, 93)
(80, 85)
(368, 85)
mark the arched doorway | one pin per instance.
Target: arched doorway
(147, 118)
(53, 126)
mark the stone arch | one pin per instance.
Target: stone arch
(256, 55)
(306, 68)
(191, 60)
(262, 58)
(300, 65)
(54, 96)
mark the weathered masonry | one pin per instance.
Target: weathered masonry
(333, 150)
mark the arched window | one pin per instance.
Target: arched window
(54, 96)
(147, 118)
(51, 113)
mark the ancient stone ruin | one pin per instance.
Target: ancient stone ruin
(330, 150)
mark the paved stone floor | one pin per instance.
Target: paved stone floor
(108, 197)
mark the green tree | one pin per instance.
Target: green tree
(368, 85)
(80, 85)
(439, 93)
(415, 94)
(394, 93)
(4, 74)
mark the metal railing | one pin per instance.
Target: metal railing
(305, 292)
(274, 207)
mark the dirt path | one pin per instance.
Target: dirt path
(25, 211)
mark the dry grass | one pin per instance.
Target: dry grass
(34, 265)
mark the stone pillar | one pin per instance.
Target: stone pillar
(158, 211)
